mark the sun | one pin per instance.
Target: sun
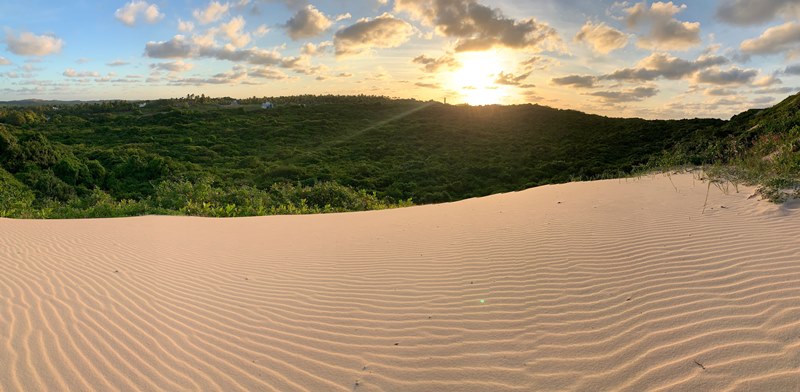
(475, 80)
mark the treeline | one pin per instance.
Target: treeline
(198, 155)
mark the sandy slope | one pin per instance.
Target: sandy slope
(611, 285)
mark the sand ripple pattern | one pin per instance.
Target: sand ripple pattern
(619, 285)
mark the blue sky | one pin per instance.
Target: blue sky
(618, 58)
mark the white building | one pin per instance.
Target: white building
(267, 105)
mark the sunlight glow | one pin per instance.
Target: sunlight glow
(475, 80)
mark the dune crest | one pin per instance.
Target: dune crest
(608, 285)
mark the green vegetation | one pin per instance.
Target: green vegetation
(204, 156)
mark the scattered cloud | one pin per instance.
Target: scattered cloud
(509, 79)
(602, 38)
(234, 32)
(630, 95)
(117, 63)
(767, 80)
(177, 47)
(29, 44)
(753, 12)
(726, 77)
(664, 31)
(578, 81)
(792, 70)
(173, 66)
(135, 9)
(384, 31)
(71, 73)
(432, 64)
(664, 65)
(185, 26)
(308, 22)
(477, 27)
(779, 39)
(212, 13)
(310, 49)
(4, 61)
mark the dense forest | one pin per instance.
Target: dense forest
(223, 157)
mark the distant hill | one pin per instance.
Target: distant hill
(396, 149)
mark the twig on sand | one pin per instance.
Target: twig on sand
(705, 203)
(670, 181)
(699, 364)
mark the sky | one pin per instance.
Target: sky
(698, 58)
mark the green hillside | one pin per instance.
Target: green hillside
(204, 156)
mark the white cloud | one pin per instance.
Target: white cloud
(71, 73)
(664, 32)
(117, 63)
(601, 37)
(779, 39)
(384, 31)
(131, 11)
(310, 49)
(173, 66)
(185, 26)
(4, 61)
(261, 31)
(234, 31)
(29, 44)
(212, 13)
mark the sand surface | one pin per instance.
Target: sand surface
(609, 285)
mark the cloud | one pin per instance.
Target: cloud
(177, 47)
(4, 61)
(726, 77)
(71, 73)
(261, 30)
(173, 66)
(659, 65)
(268, 73)
(752, 12)
(579, 81)
(117, 63)
(432, 64)
(384, 31)
(309, 49)
(308, 22)
(509, 79)
(428, 85)
(211, 13)
(185, 26)
(601, 37)
(477, 27)
(29, 44)
(792, 70)
(344, 75)
(778, 39)
(131, 11)
(630, 95)
(665, 32)
(234, 31)
(767, 80)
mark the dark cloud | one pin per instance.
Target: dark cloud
(579, 81)
(308, 22)
(726, 77)
(478, 27)
(432, 64)
(509, 79)
(751, 12)
(631, 95)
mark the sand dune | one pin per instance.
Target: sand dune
(609, 285)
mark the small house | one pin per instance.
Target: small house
(143, 104)
(267, 105)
